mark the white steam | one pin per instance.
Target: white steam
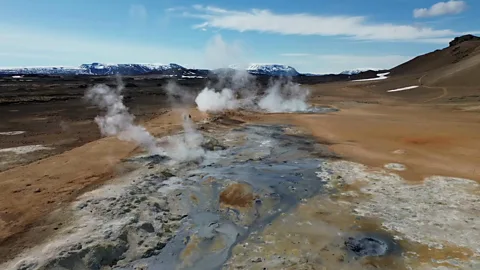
(117, 120)
(240, 89)
(220, 54)
(211, 101)
(187, 146)
(287, 98)
(178, 95)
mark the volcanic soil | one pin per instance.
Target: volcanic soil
(431, 130)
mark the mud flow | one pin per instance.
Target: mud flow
(260, 175)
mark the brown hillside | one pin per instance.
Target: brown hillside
(460, 49)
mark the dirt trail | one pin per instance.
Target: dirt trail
(444, 89)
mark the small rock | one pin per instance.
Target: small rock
(38, 190)
(124, 211)
(140, 267)
(160, 245)
(177, 217)
(148, 227)
(212, 144)
(167, 174)
(395, 166)
(77, 247)
(28, 265)
(257, 260)
(148, 252)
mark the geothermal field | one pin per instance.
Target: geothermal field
(240, 171)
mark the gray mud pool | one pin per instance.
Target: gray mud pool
(260, 174)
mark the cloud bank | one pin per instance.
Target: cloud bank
(354, 27)
(440, 9)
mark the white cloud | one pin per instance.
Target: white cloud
(355, 27)
(441, 8)
(335, 63)
(138, 12)
(172, 9)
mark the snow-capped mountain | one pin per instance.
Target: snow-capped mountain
(272, 70)
(139, 69)
(42, 70)
(101, 69)
(356, 71)
(131, 69)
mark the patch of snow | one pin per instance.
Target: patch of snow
(403, 88)
(380, 76)
(191, 77)
(11, 133)
(25, 149)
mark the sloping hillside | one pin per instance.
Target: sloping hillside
(460, 49)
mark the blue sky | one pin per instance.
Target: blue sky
(316, 36)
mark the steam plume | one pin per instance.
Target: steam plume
(289, 97)
(187, 147)
(117, 120)
(209, 100)
(239, 89)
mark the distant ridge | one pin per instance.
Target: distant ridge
(100, 69)
(272, 70)
(172, 70)
(358, 70)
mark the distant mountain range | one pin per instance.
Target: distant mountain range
(99, 69)
(172, 70)
(102, 69)
(272, 70)
(357, 71)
